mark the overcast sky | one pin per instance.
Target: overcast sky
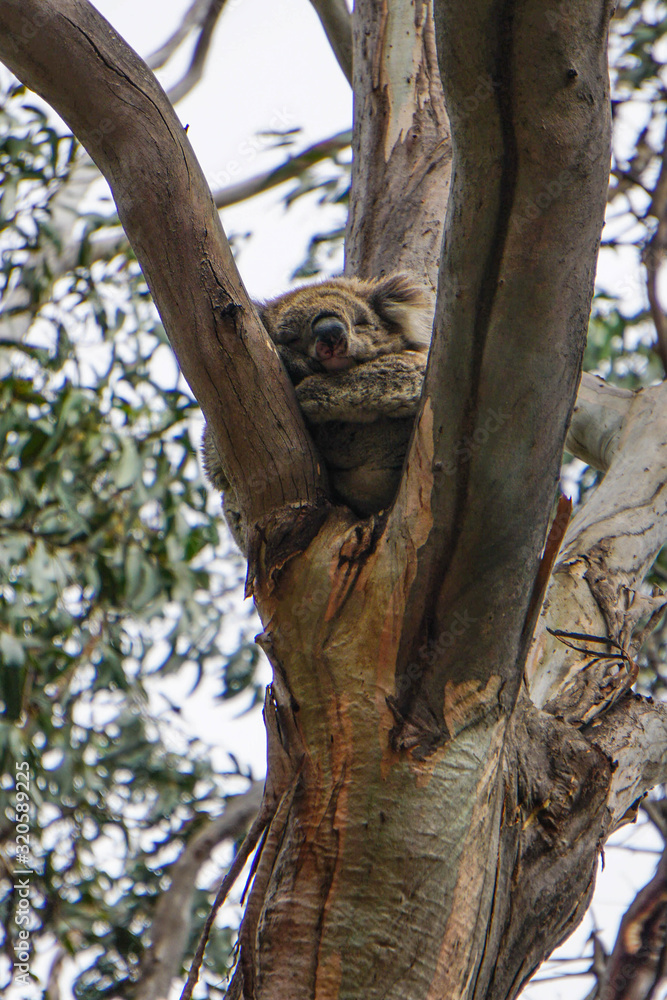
(270, 68)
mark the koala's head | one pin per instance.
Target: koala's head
(342, 322)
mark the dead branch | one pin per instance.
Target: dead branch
(193, 18)
(195, 70)
(202, 16)
(292, 167)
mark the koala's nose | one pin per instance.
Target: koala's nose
(331, 336)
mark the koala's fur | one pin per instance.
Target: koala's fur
(356, 352)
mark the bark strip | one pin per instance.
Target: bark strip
(402, 149)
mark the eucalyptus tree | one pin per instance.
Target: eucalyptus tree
(452, 734)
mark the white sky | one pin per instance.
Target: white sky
(270, 67)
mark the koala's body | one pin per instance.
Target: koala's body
(356, 353)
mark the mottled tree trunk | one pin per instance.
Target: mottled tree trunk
(440, 835)
(401, 143)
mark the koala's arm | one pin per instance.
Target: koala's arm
(389, 386)
(298, 366)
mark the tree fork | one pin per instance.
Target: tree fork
(436, 599)
(404, 867)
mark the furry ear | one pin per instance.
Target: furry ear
(402, 301)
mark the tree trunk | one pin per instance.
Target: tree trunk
(436, 820)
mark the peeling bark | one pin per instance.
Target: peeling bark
(401, 145)
(595, 589)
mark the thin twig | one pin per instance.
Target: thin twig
(193, 17)
(195, 70)
(654, 255)
(235, 869)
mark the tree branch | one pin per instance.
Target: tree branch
(402, 149)
(597, 421)
(632, 734)
(609, 547)
(192, 18)
(654, 255)
(195, 70)
(202, 14)
(64, 208)
(638, 963)
(292, 167)
(121, 115)
(337, 23)
(531, 174)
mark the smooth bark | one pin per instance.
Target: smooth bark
(596, 586)
(597, 421)
(530, 178)
(337, 23)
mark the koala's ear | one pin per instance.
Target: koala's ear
(402, 301)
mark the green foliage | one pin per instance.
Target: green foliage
(621, 337)
(637, 63)
(622, 331)
(110, 576)
(620, 347)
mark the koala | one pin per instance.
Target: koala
(355, 351)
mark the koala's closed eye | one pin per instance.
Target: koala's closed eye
(287, 337)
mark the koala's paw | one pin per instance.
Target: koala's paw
(297, 365)
(211, 462)
(390, 387)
